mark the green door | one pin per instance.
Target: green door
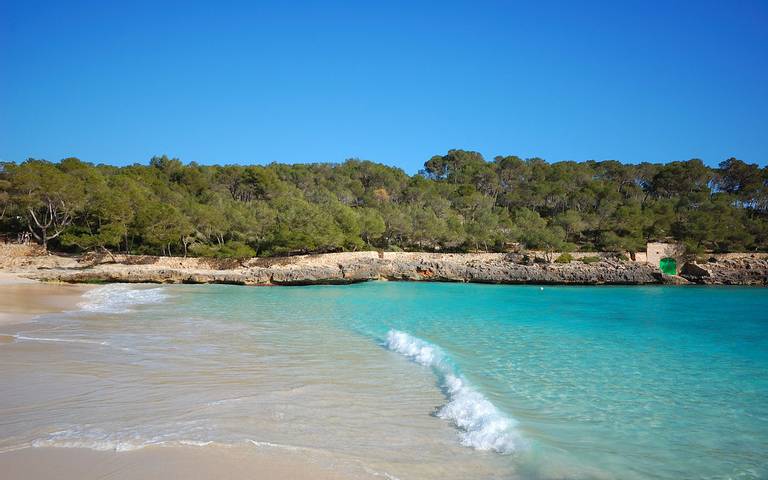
(668, 266)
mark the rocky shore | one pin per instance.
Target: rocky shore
(353, 267)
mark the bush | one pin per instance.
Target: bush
(202, 250)
(622, 257)
(228, 250)
(564, 258)
(236, 250)
(590, 260)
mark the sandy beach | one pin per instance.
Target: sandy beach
(21, 299)
(193, 463)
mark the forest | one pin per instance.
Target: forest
(459, 202)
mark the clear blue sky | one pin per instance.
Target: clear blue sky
(389, 81)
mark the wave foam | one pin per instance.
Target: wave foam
(118, 441)
(94, 440)
(274, 445)
(63, 340)
(482, 426)
(120, 298)
(126, 441)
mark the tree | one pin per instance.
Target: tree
(459, 202)
(743, 181)
(371, 225)
(458, 166)
(46, 198)
(536, 234)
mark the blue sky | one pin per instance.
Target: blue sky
(394, 82)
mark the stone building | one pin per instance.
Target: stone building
(667, 256)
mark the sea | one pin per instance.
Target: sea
(402, 380)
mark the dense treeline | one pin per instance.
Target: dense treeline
(459, 202)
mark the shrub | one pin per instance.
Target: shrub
(202, 250)
(590, 260)
(564, 258)
(236, 250)
(231, 249)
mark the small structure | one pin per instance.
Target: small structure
(667, 256)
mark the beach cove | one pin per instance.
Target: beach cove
(389, 380)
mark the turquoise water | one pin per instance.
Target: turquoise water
(614, 382)
(621, 381)
(423, 380)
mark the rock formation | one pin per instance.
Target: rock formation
(352, 267)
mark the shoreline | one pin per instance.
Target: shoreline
(190, 462)
(85, 457)
(22, 299)
(355, 267)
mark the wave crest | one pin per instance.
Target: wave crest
(120, 298)
(481, 425)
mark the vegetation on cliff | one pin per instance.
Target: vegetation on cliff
(459, 202)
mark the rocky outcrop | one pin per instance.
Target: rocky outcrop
(730, 270)
(344, 268)
(351, 268)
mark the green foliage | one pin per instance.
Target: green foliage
(232, 249)
(564, 258)
(459, 202)
(590, 260)
(536, 234)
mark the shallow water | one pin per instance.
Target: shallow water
(407, 380)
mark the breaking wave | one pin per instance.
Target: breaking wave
(120, 298)
(481, 425)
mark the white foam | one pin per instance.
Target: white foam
(273, 445)
(101, 443)
(64, 340)
(196, 443)
(120, 298)
(129, 439)
(481, 425)
(119, 441)
(379, 474)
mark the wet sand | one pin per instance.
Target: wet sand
(190, 463)
(21, 299)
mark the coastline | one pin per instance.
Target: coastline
(21, 299)
(355, 267)
(190, 462)
(86, 452)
